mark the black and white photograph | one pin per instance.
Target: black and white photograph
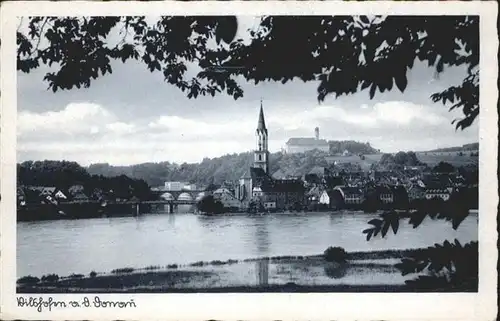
(248, 153)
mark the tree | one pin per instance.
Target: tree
(208, 204)
(444, 168)
(446, 266)
(346, 54)
(255, 206)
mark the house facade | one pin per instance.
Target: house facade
(351, 195)
(226, 197)
(386, 194)
(331, 199)
(416, 192)
(439, 193)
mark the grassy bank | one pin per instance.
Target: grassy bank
(287, 288)
(205, 276)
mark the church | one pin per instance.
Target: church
(259, 186)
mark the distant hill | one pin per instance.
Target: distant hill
(463, 148)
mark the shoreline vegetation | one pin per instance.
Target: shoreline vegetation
(173, 278)
(48, 212)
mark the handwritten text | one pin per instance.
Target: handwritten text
(48, 304)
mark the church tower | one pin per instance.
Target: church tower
(261, 153)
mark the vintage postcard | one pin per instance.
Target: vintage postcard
(249, 160)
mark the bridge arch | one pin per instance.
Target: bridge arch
(167, 196)
(185, 196)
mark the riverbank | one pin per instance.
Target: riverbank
(362, 272)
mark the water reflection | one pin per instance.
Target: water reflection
(263, 242)
(336, 270)
(68, 246)
(171, 220)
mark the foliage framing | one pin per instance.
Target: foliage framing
(346, 54)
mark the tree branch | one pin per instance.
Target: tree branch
(46, 19)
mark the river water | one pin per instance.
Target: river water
(80, 246)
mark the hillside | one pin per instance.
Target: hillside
(232, 167)
(463, 148)
(215, 170)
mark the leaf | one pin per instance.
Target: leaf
(367, 230)
(226, 28)
(375, 222)
(395, 225)
(401, 81)
(385, 228)
(364, 19)
(417, 218)
(372, 91)
(457, 220)
(365, 85)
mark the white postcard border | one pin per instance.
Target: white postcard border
(313, 306)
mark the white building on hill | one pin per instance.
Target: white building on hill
(304, 144)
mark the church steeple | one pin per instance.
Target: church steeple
(261, 154)
(261, 126)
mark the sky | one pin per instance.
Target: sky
(132, 116)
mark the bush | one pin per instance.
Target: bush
(93, 274)
(28, 280)
(50, 278)
(208, 204)
(123, 270)
(199, 263)
(76, 276)
(335, 254)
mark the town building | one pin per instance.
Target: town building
(351, 195)
(386, 194)
(21, 196)
(439, 193)
(226, 197)
(331, 199)
(304, 144)
(313, 195)
(415, 192)
(47, 191)
(179, 186)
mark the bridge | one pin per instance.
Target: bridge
(172, 204)
(178, 195)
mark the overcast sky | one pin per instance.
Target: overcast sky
(133, 116)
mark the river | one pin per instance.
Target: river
(80, 246)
